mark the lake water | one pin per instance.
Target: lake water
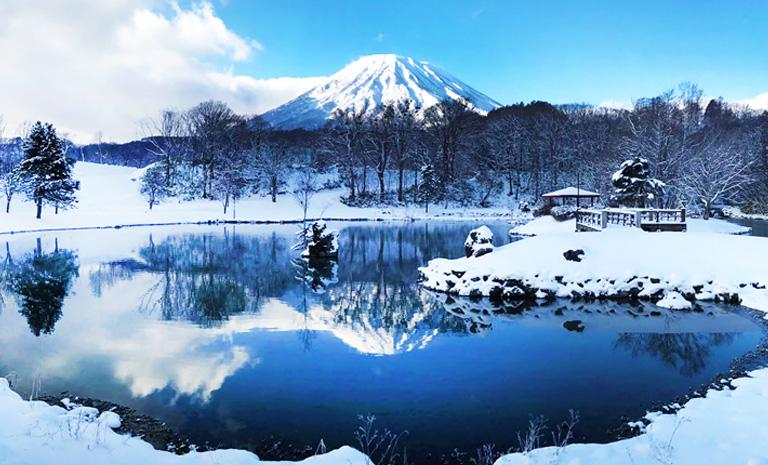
(221, 332)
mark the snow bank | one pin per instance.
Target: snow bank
(110, 196)
(35, 433)
(727, 427)
(617, 263)
(549, 225)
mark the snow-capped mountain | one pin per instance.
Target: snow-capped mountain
(370, 81)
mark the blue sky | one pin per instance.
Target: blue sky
(120, 62)
(561, 51)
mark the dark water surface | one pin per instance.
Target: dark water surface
(224, 334)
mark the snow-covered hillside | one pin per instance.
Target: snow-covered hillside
(370, 81)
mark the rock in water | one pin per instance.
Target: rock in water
(321, 241)
(479, 242)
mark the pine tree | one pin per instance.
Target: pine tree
(45, 170)
(429, 187)
(634, 186)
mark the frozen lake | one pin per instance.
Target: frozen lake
(220, 332)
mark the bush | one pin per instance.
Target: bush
(563, 212)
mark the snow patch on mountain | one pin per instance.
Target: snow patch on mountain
(367, 83)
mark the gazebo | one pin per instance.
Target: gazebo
(570, 193)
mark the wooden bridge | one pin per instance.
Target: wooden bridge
(644, 218)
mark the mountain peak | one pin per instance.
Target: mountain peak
(370, 81)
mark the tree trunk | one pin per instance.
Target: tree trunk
(39, 203)
(273, 188)
(381, 186)
(400, 175)
(8, 204)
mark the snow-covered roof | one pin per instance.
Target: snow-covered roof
(571, 192)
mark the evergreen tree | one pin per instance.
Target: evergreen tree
(45, 170)
(634, 186)
(429, 188)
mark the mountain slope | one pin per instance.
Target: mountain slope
(370, 81)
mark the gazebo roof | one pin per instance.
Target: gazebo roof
(571, 192)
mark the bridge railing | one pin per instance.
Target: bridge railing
(646, 218)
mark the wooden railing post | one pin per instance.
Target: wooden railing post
(682, 215)
(638, 219)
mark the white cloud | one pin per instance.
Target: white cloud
(93, 65)
(758, 102)
(616, 104)
(380, 37)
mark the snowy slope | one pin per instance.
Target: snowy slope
(370, 81)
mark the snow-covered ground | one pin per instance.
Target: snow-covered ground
(35, 433)
(109, 196)
(726, 427)
(548, 225)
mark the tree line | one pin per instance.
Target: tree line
(702, 153)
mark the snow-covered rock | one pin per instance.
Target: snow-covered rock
(674, 301)
(367, 83)
(479, 242)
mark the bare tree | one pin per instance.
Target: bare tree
(273, 158)
(405, 137)
(451, 125)
(168, 139)
(345, 139)
(305, 188)
(212, 127)
(717, 172)
(380, 140)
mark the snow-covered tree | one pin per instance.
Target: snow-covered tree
(273, 158)
(718, 172)
(429, 186)
(45, 171)
(153, 183)
(304, 189)
(634, 186)
(10, 156)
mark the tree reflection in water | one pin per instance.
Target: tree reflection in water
(687, 352)
(40, 282)
(205, 278)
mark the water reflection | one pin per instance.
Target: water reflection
(227, 335)
(688, 353)
(40, 282)
(205, 278)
